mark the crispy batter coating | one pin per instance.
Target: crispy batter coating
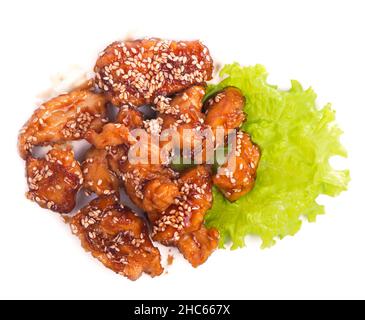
(236, 178)
(138, 71)
(64, 118)
(198, 245)
(225, 110)
(55, 180)
(130, 117)
(117, 237)
(98, 177)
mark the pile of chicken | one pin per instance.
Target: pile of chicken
(170, 77)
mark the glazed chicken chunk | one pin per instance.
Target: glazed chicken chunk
(64, 118)
(182, 115)
(112, 134)
(130, 117)
(187, 212)
(117, 237)
(225, 110)
(136, 72)
(181, 224)
(197, 246)
(150, 186)
(147, 179)
(116, 156)
(98, 177)
(237, 176)
(55, 180)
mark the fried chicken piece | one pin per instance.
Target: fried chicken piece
(150, 186)
(181, 224)
(225, 110)
(98, 177)
(187, 103)
(130, 117)
(183, 115)
(237, 176)
(64, 118)
(55, 180)
(117, 237)
(187, 212)
(136, 72)
(116, 156)
(147, 179)
(113, 134)
(197, 246)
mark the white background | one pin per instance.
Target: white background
(320, 43)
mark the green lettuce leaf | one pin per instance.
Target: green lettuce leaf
(296, 139)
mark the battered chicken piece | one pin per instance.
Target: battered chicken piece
(113, 134)
(197, 246)
(225, 110)
(186, 214)
(181, 224)
(136, 72)
(98, 177)
(116, 156)
(237, 176)
(64, 118)
(150, 186)
(148, 180)
(130, 117)
(55, 180)
(183, 115)
(117, 237)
